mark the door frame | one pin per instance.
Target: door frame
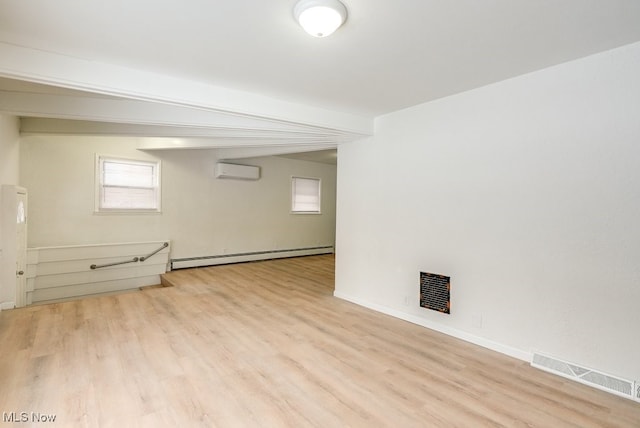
(8, 232)
(21, 249)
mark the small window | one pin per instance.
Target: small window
(305, 195)
(127, 185)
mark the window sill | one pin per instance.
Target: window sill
(306, 212)
(127, 212)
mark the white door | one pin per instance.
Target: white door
(21, 248)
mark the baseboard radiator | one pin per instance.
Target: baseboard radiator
(62, 273)
(594, 378)
(191, 262)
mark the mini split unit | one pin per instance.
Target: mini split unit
(237, 172)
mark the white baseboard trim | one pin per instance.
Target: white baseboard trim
(7, 305)
(459, 334)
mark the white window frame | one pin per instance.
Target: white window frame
(99, 185)
(293, 195)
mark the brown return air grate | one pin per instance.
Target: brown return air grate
(435, 292)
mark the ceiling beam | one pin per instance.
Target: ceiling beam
(254, 152)
(289, 146)
(73, 73)
(84, 113)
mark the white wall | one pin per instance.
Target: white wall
(525, 192)
(9, 163)
(201, 215)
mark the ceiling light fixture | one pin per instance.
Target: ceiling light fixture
(320, 18)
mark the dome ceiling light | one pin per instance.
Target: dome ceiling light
(320, 18)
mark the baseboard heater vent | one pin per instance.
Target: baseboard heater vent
(587, 376)
(189, 262)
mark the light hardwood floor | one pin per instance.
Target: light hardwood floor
(267, 345)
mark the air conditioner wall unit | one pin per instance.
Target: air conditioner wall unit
(237, 172)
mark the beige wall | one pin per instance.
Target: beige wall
(201, 215)
(9, 137)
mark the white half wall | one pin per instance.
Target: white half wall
(526, 193)
(201, 215)
(60, 273)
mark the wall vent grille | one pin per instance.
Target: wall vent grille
(587, 376)
(435, 292)
(637, 391)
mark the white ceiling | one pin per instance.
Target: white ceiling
(389, 54)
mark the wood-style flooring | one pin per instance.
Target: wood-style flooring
(266, 344)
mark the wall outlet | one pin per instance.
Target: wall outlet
(406, 300)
